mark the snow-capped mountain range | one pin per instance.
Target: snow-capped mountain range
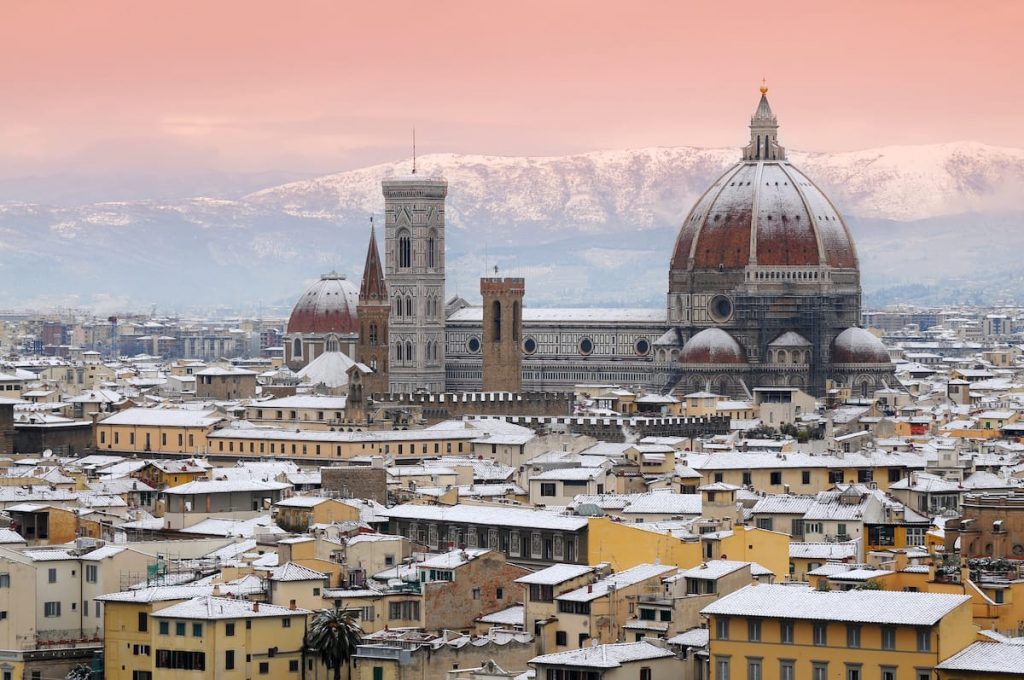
(593, 228)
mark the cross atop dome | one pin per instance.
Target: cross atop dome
(764, 128)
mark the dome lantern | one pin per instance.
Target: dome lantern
(764, 131)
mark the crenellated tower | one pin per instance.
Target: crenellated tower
(502, 331)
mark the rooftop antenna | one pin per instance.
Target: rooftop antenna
(414, 149)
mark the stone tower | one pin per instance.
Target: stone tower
(503, 327)
(373, 311)
(414, 264)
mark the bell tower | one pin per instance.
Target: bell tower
(373, 311)
(503, 329)
(414, 265)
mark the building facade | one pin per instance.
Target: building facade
(414, 264)
(373, 311)
(763, 291)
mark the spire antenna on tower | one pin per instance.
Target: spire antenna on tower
(414, 149)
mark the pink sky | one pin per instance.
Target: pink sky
(317, 86)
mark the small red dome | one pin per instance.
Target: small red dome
(858, 346)
(328, 306)
(712, 346)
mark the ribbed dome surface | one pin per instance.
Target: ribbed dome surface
(766, 213)
(858, 346)
(712, 346)
(328, 306)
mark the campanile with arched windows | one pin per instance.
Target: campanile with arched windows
(414, 265)
(502, 353)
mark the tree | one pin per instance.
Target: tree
(333, 637)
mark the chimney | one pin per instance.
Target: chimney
(255, 606)
(590, 587)
(216, 590)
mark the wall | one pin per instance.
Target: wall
(356, 482)
(452, 605)
(624, 546)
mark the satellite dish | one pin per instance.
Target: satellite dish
(48, 453)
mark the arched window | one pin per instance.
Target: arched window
(398, 306)
(432, 249)
(332, 344)
(373, 335)
(398, 351)
(496, 322)
(297, 348)
(404, 249)
(515, 321)
(408, 306)
(409, 356)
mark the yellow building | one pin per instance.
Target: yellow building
(155, 430)
(540, 612)
(211, 637)
(700, 404)
(127, 634)
(984, 661)
(626, 545)
(307, 411)
(597, 611)
(802, 473)
(298, 513)
(786, 632)
(377, 610)
(293, 585)
(319, 446)
(161, 474)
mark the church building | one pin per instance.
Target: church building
(763, 291)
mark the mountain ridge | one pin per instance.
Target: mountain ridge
(595, 227)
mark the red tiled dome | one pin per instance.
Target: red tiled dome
(712, 346)
(792, 221)
(763, 212)
(328, 306)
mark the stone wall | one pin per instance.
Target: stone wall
(438, 407)
(6, 429)
(623, 428)
(456, 604)
(356, 482)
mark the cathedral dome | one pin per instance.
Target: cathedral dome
(858, 346)
(712, 346)
(328, 306)
(764, 212)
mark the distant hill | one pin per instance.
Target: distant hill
(593, 229)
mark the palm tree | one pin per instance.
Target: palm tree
(333, 637)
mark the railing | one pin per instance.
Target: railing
(70, 637)
(656, 599)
